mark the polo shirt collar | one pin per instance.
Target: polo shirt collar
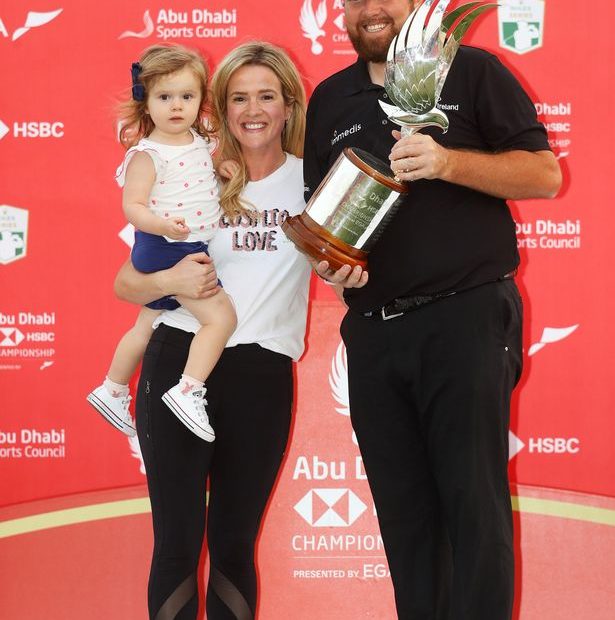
(358, 79)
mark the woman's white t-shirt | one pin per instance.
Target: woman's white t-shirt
(267, 278)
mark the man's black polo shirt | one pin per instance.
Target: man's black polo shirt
(444, 237)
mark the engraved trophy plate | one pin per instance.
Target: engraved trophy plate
(359, 195)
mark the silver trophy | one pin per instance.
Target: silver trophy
(350, 208)
(419, 59)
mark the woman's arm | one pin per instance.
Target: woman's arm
(194, 276)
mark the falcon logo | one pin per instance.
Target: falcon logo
(551, 335)
(338, 380)
(135, 452)
(10, 337)
(330, 507)
(312, 23)
(148, 28)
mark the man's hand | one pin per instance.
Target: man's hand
(175, 228)
(194, 276)
(345, 276)
(418, 157)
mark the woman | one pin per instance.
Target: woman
(259, 112)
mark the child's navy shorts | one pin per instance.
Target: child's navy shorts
(154, 253)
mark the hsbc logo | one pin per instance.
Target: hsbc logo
(33, 129)
(10, 337)
(33, 20)
(330, 507)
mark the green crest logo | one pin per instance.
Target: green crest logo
(13, 233)
(521, 25)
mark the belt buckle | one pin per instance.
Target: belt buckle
(386, 317)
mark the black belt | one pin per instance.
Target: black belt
(401, 305)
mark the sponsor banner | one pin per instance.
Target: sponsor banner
(60, 211)
(557, 119)
(548, 234)
(27, 338)
(32, 443)
(193, 23)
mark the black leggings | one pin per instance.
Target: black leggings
(250, 396)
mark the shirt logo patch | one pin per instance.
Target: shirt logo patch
(341, 135)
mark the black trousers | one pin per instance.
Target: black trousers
(250, 395)
(430, 399)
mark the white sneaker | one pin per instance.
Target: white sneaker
(114, 409)
(189, 407)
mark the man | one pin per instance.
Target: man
(434, 337)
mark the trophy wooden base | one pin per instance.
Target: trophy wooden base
(312, 239)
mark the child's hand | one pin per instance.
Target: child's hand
(228, 168)
(175, 228)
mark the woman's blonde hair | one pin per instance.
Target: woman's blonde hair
(265, 55)
(156, 62)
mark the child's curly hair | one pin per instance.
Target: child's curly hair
(156, 62)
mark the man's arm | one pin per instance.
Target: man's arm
(514, 175)
(194, 277)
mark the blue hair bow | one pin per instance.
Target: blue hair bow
(138, 90)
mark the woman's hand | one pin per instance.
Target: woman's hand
(194, 276)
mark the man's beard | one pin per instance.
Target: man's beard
(371, 51)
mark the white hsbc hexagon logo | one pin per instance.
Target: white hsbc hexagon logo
(330, 507)
(10, 337)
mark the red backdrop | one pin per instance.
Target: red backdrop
(74, 524)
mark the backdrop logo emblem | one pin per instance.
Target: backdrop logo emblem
(521, 25)
(148, 28)
(33, 20)
(338, 381)
(551, 335)
(13, 233)
(312, 23)
(10, 337)
(330, 507)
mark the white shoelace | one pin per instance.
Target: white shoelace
(125, 405)
(199, 403)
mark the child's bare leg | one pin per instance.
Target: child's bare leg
(111, 399)
(217, 318)
(131, 347)
(218, 321)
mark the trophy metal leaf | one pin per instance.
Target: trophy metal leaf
(419, 59)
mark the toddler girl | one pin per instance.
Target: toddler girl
(170, 195)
